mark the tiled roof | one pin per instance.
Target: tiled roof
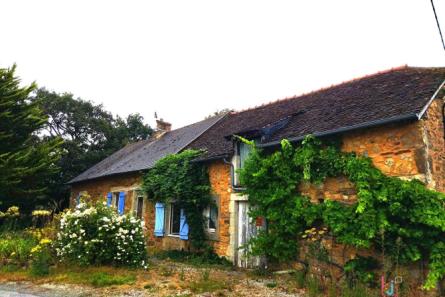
(142, 155)
(385, 96)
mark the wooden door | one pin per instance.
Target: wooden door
(246, 229)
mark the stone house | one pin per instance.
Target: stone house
(395, 117)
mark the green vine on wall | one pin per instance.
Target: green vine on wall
(176, 178)
(410, 217)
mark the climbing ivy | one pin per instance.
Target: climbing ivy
(176, 178)
(403, 218)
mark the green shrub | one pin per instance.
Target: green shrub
(41, 258)
(98, 235)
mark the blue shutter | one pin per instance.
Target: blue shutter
(78, 199)
(184, 227)
(159, 219)
(109, 199)
(121, 203)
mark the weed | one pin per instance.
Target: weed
(40, 264)
(358, 290)
(271, 285)
(148, 286)
(182, 275)
(314, 287)
(166, 271)
(300, 279)
(205, 275)
(208, 286)
(261, 271)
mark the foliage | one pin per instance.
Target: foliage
(177, 178)
(90, 134)
(403, 217)
(360, 270)
(15, 248)
(98, 235)
(26, 162)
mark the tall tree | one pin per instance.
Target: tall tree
(27, 162)
(90, 134)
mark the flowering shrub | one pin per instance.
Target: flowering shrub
(41, 257)
(41, 217)
(98, 235)
(9, 219)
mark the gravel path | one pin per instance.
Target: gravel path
(27, 289)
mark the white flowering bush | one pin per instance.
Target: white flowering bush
(98, 235)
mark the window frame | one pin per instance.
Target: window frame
(212, 233)
(136, 196)
(237, 165)
(169, 218)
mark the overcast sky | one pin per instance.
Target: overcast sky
(187, 59)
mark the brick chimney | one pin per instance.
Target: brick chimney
(161, 128)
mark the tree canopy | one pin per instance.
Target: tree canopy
(27, 162)
(90, 134)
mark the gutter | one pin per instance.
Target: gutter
(407, 117)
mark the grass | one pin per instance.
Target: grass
(208, 286)
(94, 276)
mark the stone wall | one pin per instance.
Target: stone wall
(219, 175)
(220, 181)
(433, 134)
(99, 188)
(397, 150)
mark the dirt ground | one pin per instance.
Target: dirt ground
(164, 278)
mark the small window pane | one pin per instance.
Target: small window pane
(140, 204)
(116, 199)
(213, 217)
(244, 153)
(175, 219)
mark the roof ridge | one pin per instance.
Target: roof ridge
(404, 66)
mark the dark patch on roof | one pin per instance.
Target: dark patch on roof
(386, 95)
(143, 155)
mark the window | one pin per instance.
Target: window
(211, 218)
(139, 207)
(116, 199)
(175, 219)
(241, 153)
(244, 151)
